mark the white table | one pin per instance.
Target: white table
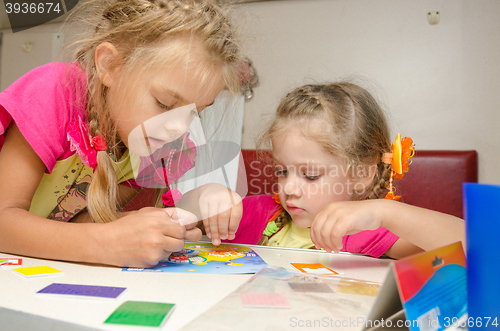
(22, 309)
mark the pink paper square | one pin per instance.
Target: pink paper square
(265, 300)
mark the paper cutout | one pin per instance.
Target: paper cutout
(37, 271)
(141, 313)
(207, 258)
(10, 263)
(77, 290)
(270, 300)
(314, 268)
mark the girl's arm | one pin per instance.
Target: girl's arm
(140, 239)
(421, 227)
(418, 228)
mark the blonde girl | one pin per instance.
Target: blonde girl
(69, 124)
(330, 144)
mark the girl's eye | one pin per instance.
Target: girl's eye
(311, 177)
(281, 172)
(165, 107)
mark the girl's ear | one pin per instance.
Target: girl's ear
(106, 58)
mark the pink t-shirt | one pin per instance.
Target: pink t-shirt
(259, 209)
(42, 103)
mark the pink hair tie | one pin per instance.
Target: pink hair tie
(99, 143)
(84, 144)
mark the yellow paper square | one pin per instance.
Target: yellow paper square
(37, 271)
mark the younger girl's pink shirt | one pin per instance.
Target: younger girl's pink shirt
(259, 209)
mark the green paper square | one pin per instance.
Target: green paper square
(140, 313)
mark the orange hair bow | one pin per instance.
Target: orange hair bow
(403, 151)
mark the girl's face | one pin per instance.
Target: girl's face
(157, 107)
(309, 178)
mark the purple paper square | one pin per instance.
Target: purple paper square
(83, 290)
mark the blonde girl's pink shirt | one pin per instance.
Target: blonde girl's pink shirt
(259, 209)
(42, 103)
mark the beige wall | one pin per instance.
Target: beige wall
(440, 84)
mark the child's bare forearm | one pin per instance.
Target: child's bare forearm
(24, 233)
(422, 227)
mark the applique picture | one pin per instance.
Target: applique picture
(207, 258)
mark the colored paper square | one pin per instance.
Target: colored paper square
(351, 286)
(83, 290)
(37, 271)
(310, 287)
(10, 263)
(272, 300)
(314, 268)
(141, 313)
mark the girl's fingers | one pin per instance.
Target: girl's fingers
(313, 230)
(336, 235)
(173, 244)
(204, 217)
(326, 230)
(157, 212)
(173, 230)
(184, 217)
(172, 212)
(223, 219)
(234, 221)
(212, 223)
(193, 234)
(316, 229)
(206, 226)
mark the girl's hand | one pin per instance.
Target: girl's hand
(188, 220)
(221, 210)
(342, 218)
(143, 238)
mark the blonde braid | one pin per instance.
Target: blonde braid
(380, 181)
(103, 190)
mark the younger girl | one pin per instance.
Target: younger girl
(333, 159)
(68, 129)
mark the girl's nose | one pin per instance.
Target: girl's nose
(179, 119)
(292, 186)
